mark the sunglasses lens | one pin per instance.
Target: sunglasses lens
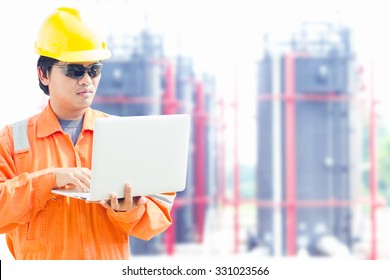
(77, 71)
(74, 71)
(95, 70)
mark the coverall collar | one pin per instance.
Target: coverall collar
(49, 124)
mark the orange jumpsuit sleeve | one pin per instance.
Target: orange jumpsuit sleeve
(22, 196)
(145, 221)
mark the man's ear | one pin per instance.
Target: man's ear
(42, 76)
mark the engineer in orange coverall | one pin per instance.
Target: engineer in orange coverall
(53, 149)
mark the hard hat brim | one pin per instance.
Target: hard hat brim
(80, 56)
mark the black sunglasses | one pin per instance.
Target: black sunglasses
(77, 71)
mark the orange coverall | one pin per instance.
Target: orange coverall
(41, 225)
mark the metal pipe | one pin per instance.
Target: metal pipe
(169, 96)
(236, 169)
(373, 169)
(222, 145)
(290, 146)
(169, 107)
(276, 156)
(200, 157)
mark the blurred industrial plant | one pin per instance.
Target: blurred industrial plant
(315, 122)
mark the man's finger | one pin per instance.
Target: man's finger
(128, 194)
(105, 204)
(114, 201)
(79, 184)
(139, 200)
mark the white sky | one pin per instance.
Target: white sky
(218, 34)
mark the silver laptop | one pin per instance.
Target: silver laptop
(151, 152)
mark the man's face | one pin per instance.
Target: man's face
(71, 95)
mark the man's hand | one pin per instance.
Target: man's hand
(78, 177)
(127, 203)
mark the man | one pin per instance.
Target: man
(53, 150)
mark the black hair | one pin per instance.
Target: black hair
(45, 63)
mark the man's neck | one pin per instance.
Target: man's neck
(69, 115)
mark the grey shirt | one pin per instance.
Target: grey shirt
(72, 127)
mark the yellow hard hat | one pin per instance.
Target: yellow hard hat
(66, 37)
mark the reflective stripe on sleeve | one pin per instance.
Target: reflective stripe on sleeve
(165, 199)
(20, 135)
